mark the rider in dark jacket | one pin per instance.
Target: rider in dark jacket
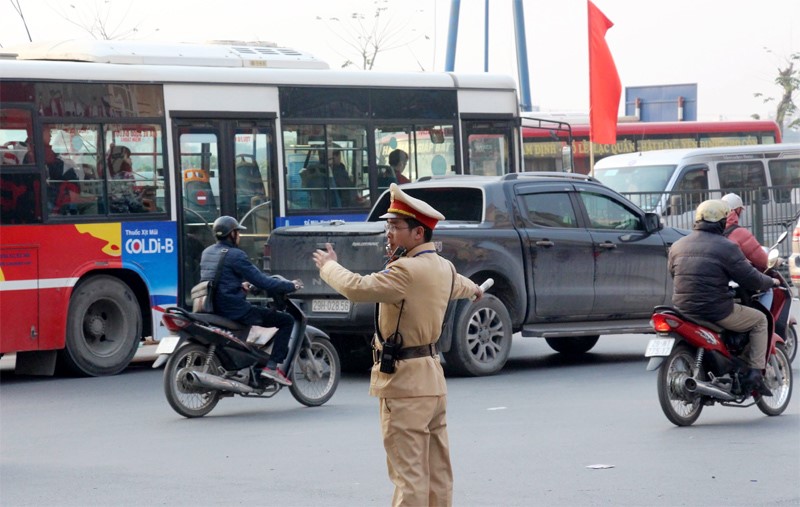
(702, 264)
(230, 293)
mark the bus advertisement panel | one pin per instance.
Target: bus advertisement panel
(42, 270)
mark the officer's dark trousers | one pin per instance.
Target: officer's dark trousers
(265, 317)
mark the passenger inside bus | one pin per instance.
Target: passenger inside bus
(345, 196)
(398, 160)
(314, 177)
(125, 196)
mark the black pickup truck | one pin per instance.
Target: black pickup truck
(571, 259)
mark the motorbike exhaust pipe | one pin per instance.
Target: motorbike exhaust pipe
(699, 387)
(200, 379)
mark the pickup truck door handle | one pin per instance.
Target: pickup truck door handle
(545, 242)
(607, 245)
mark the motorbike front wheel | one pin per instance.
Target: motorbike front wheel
(315, 373)
(679, 407)
(791, 342)
(185, 399)
(778, 378)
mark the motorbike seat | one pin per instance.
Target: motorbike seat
(216, 320)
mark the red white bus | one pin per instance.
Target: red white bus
(115, 156)
(543, 148)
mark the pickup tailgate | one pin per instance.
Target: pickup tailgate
(360, 247)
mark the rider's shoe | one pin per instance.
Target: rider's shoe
(756, 381)
(275, 374)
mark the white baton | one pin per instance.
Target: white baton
(484, 287)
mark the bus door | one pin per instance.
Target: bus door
(489, 146)
(226, 167)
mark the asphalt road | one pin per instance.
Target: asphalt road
(530, 435)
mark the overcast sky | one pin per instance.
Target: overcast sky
(718, 44)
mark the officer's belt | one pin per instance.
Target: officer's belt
(430, 349)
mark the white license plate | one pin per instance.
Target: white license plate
(330, 305)
(659, 347)
(167, 345)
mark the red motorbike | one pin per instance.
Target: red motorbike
(700, 365)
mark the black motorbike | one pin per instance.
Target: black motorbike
(209, 357)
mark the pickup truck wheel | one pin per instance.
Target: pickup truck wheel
(481, 338)
(573, 345)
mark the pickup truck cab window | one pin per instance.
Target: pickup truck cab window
(550, 210)
(605, 213)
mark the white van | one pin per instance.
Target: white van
(673, 182)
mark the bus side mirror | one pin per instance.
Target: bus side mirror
(566, 159)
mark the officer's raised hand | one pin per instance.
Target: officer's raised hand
(323, 256)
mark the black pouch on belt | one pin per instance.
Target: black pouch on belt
(390, 347)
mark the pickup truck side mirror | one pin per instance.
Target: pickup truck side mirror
(652, 223)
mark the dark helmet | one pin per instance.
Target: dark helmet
(225, 225)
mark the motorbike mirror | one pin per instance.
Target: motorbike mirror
(772, 257)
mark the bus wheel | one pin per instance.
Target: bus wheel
(104, 326)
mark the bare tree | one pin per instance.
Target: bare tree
(18, 8)
(102, 19)
(368, 35)
(788, 80)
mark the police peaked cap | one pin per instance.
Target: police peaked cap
(405, 206)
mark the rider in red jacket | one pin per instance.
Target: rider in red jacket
(742, 236)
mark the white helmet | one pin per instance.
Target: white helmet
(733, 201)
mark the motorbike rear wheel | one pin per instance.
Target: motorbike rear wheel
(679, 408)
(778, 378)
(315, 373)
(187, 400)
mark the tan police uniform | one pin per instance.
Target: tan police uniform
(413, 398)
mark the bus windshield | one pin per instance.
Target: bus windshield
(649, 179)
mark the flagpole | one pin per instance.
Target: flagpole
(591, 119)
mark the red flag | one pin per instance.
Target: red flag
(604, 86)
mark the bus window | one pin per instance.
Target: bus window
(20, 201)
(16, 132)
(252, 167)
(135, 169)
(428, 150)
(326, 166)
(70, 155)
(199, 156)
(488, 154)
(489, 147)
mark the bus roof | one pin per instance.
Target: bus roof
(676, 157)
(119, 61)
(152, 53)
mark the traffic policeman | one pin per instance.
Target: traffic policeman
(412, 293)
